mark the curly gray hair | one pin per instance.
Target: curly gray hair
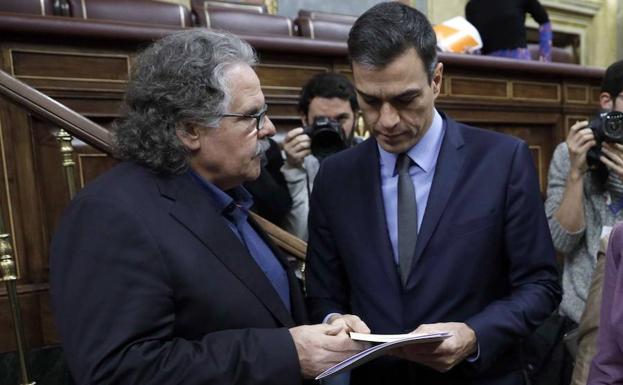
(178, 80)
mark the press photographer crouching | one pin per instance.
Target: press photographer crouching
(328, 106)
(584, 200)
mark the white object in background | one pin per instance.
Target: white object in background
(457, 35)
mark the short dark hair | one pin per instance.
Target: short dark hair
(327, 85)
(386, 31)
(181, 79)
(613, 79)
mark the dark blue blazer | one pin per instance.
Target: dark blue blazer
(483, 256)
(150, 286)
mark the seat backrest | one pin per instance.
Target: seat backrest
(247, 23)
(322, 29)
(202, 8)
(334, 17)
(135, 11)
(33, 7)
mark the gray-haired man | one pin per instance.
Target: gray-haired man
(158, 275)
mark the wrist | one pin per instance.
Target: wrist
(294, 163)
(575, 176)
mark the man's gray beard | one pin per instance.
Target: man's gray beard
(262, 146)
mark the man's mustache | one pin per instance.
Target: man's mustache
(262, 146)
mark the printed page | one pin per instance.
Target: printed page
(389, 341)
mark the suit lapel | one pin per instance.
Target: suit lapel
(193, 210)
(447, 170)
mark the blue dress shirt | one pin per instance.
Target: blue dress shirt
(234, 207)
(424, 154)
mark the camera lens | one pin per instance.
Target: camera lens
(613, 126)
(326, 137)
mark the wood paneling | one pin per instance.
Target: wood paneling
(576, 94)
(536, 91)
(281, 76)
(595, 92)
(478, 88)
(49, 64)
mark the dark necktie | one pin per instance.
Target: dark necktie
(261, 253)
(407, 217)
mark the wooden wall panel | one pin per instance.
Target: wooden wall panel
(577, 94)
(535, 91)
(91, 164)
(478, 88)
(59, 65)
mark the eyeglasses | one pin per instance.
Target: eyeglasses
(260, 116)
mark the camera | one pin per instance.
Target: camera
(608, 127)
(327, 137)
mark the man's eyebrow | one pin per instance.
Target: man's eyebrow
(343, 115)
(363, 94)
(408, 93)
(252, 110)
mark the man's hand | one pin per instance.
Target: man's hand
(348, 323)
(297, 146)
(579, 140)
(612, 157)
(441, 356)
(321, 346)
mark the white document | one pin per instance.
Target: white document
(386, 343)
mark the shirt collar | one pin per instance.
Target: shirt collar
(423, 153)
(225, 200)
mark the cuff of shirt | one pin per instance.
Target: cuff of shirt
(326, 318)
(474, 357)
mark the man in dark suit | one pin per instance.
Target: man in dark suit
(430, 225)
(158, 276)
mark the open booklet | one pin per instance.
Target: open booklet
(386, 343)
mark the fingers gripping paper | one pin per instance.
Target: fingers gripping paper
(386, 342)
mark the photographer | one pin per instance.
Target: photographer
(584, 200)
(327, 105)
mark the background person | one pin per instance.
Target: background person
(501, 24)
(582, 206)
(607, 366)
(324, 95)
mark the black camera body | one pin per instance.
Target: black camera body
(327, 137)
(607, 128)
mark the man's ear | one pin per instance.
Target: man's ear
(605, 100)
(188, 134)
(437, 78)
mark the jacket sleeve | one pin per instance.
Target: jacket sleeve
(116, 308)
(536, 10)
(564, 241)
(325, 276)
(533, 277)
